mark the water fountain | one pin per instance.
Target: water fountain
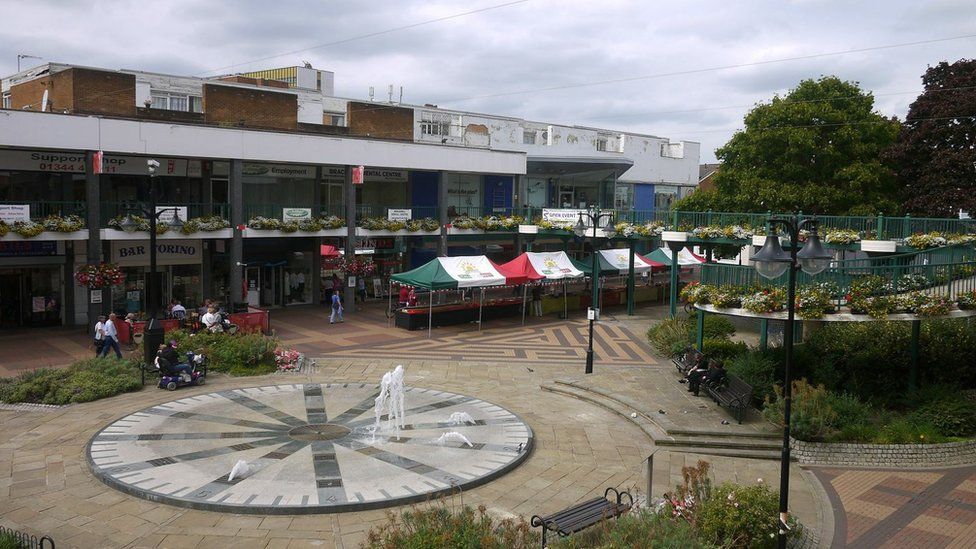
(391, 400)
(453, 436)
(460, 418)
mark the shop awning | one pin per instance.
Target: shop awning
(446, 273)
(543, 265)
(685, 257)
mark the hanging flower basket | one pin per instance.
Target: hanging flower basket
(356, 267)
(99, 276)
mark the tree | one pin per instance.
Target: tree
(816, 150)
(935, 154)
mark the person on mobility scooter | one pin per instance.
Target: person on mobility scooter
(173, 374)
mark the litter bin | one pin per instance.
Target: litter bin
(239, 307)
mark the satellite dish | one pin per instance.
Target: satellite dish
(44, 102)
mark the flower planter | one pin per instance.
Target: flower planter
(49, 235)
(674, 236)
(455, 230)
(115, 234)
(879, 246)
(403, 232)
(261, 233)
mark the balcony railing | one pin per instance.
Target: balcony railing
(39, 209)
(115, 209)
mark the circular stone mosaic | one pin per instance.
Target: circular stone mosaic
(308, 449)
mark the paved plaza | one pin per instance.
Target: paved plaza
(584, 438)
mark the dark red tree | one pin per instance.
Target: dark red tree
(935, 155)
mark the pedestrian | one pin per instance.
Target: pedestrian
(99, 334)
(537, 300)
(404, 296)
(361, 289)
(336, 284)
(336, 308)
(111, 339)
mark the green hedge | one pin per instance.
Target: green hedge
(83, 381)
(242, 354)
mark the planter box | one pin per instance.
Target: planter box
(879, 246)
(674, 236)
(403, 232)
(49, 235)
(261, 233)
(454, 230)
(115, 234)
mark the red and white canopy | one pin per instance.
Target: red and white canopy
(543, 265)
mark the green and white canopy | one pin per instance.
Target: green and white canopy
(448, 273)
(685, 257)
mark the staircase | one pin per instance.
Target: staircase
(735, 442)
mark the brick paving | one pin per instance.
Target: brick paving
(895, 508)
(46, 486)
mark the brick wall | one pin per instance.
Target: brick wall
(380, 121)
(103, 92)
(884, 455)
(246, 107)
(76, 90)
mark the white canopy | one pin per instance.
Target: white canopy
(620, 259)
(553, 265)
(471, 271)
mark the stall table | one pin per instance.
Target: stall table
(416, 318)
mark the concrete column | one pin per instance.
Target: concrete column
(349, 294)
(68, 295)
(317, 242)
(94, 223)
(442, 213)
(236, 195)
(520, 183)
(206, 194)
(206, 270)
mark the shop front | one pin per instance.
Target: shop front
(278, 272)
(179, 274)
(31, 283)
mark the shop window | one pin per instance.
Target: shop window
(601, 144)
(196, 103)
(6, 100)
(337, 120)
(435, 124)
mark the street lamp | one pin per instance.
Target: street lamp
(594, 218)
(153, 331)
(771, 262)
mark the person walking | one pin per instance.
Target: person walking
(361, 289)
(336, 308)
(111, 339)
(99, 334)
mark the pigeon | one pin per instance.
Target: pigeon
(725, 422)
(241, 469)
(529, 369)
(661, 412)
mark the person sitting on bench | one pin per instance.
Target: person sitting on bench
(699, 369)
(715, 374)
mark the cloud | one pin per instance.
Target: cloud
(474, 62)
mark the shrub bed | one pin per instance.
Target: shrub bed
(241, 354)
(83, 381)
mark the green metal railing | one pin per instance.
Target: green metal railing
(39, 209)
(193, 209)
(944, 271)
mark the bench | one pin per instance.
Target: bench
(734, 394)
(687, 360)
(583, 515)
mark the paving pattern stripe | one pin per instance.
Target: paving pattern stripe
(358, 409)
(191, 456)
(262, 408)
(218, 419)
(475, 446)
(315, 404)
(188, 436)
(328, 475)
(445, 478)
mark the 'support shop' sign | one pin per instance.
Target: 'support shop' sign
(10, 213)
(168, 252)
(71, 162)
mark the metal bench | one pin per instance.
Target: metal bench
(583, 515)
(734, 394)
(687, 360)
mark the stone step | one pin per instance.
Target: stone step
(728, 452)
(645, 424)
(679, 432)
(735, 444)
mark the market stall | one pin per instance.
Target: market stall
(544, 268)
(461, 275)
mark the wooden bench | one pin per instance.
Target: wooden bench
(583, 515)
(734, 394)
(687, 360)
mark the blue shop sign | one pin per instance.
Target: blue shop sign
(26, 248)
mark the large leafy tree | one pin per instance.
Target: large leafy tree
(935, 155)
(816, 150)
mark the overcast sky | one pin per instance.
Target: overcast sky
(498, 61)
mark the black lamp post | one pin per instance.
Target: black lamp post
(152, 335)
(594, 218)
(771, 262)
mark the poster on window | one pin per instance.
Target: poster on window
(37, 304)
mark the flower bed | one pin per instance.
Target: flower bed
(313, 225)
(427, 224)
